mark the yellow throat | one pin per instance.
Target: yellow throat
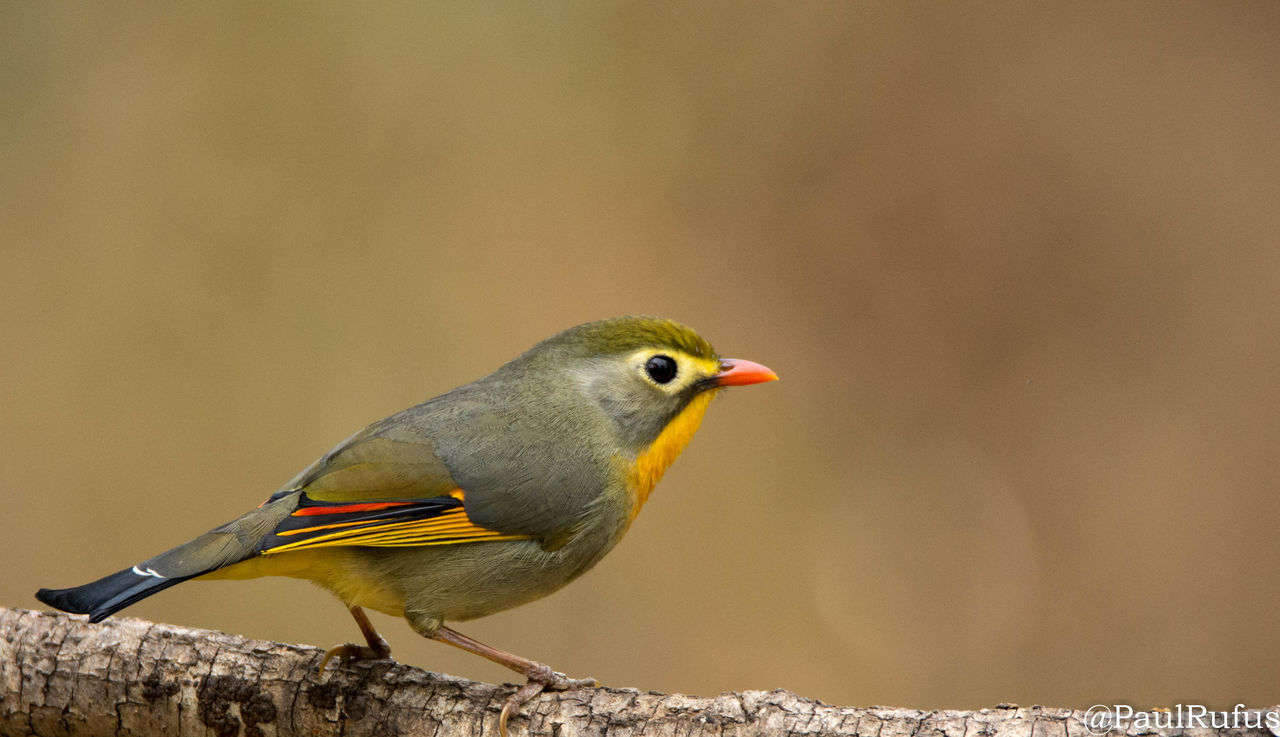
(653, 461)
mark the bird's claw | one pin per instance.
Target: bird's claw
(352, 651)
(517, 700)
(541, 678)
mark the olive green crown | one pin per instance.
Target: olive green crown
(626, 334)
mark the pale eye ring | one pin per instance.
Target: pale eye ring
(662, 369)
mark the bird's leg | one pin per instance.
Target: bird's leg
(540, 676)
(378, 648)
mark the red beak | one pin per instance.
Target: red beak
(737, 372)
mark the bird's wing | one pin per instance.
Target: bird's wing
(386, 461)
(527, 472)
(384, 486)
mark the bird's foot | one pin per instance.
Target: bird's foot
(541, 678)
(352, 651)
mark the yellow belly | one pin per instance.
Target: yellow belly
(335, 569)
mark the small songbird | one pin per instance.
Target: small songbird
(486, 497)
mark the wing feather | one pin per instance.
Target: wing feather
(384, 462)
(438, 520)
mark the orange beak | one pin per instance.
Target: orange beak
(737, 372)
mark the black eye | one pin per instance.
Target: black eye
(661, 369)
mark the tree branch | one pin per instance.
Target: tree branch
(60, 675)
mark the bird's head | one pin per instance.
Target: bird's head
(652, 377)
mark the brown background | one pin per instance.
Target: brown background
(1017, 266)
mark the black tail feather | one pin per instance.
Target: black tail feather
(109, 594)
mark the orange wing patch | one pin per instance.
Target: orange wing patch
(409, 523)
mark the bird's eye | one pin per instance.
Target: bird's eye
(661, 369)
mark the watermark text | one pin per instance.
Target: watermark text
(1103, 719)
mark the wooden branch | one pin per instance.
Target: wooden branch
(60, 675)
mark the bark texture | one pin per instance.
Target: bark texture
(60, 675)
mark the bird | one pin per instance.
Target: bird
(483, 498)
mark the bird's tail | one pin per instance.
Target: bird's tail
(109, 594)
(218, 548)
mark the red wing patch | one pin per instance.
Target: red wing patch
(349, 508)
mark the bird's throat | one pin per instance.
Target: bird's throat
(653, 461)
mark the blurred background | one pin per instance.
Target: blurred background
(1016, 264)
